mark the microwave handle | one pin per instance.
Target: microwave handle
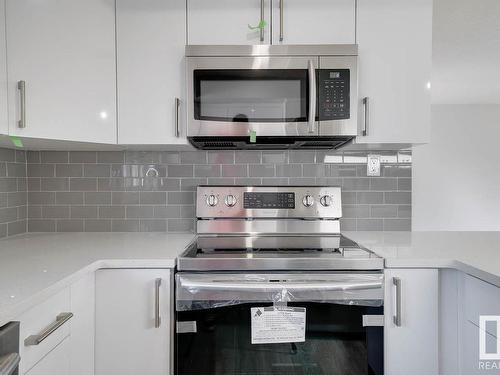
(312, 97)
(261, 20)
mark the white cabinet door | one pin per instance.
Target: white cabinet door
(64, 51)
(54, 363)
(469, 357)
(412, 347)
(127, 341)
(226, 21)
(150, 68)
(82, 326)
(4, 125)
(395, 45)
(314, 21)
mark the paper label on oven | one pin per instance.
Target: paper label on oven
(276, 324)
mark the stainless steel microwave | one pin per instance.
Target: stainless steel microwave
(272, 96)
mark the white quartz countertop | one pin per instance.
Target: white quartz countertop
(475, 253)
(34, 266)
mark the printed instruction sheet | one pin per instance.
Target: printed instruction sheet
(276, 324)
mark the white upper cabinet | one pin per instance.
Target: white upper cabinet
(411, 322)
(395, 46)
(227, 21)
(151, 36)
(64, 52)
(4, 125)
(314, 22)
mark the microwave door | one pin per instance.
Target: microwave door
(237, 96)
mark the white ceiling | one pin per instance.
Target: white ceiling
(466, 51)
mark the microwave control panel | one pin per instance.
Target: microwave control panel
(333, 94)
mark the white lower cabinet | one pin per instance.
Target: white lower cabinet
(82, 326)
(69, 348)
(33, 325)
(133, 321)
(411, 322)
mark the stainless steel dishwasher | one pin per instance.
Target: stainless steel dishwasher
(9, 349)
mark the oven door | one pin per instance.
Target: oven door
(235, 96)
(217, 319)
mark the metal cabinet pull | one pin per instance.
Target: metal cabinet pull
(261, 20)
(397, 317)
(37, 339)
(312, 97)
(157, 303)
(366, 108)
(282, 4)
(9, 363)
(21, 86)
(177, 106)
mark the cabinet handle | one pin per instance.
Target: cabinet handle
(9, 363)
(21, 86)
(397, 317)
(366, 109)
(261, 20)
(157, 303)
(282, 4)
(177, 106)
(312, 97)
(37, 339)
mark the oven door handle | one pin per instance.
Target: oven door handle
(277, 286)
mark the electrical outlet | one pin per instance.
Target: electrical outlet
(373, 166)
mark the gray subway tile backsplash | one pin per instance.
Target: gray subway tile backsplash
(151, 191)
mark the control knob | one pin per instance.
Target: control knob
(308, 200)
(326, 201)
(230, 200)
(212, 200)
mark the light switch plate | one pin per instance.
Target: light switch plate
(373, 165)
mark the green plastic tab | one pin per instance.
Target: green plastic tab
(261, 25)
(253, 136)
(17, 142)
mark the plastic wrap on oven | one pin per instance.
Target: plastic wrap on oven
(199, 291)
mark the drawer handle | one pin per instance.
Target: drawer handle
(9, 363)
(37, 339)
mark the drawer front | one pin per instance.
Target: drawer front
(36, 321)
(480, 298)
(54, 363)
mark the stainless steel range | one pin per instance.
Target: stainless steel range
(271, 286)
(272, 228)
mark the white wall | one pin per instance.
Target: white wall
(456, 177)
(466, 51)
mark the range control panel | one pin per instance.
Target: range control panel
(334, 94)
(322, 202)
(268, 200)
